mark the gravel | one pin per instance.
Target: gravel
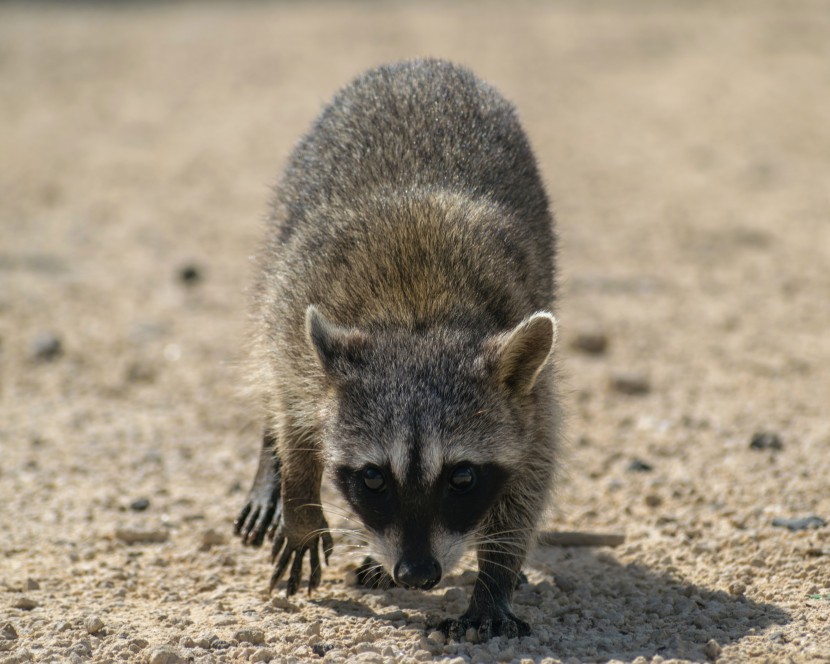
(676, 191)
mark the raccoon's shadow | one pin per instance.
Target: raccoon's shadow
(583, 603)
(602, 609)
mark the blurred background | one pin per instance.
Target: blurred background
(686, 148)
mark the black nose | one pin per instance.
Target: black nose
(422, 574)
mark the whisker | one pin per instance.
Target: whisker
(512, 571)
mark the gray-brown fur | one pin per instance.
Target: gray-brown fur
(409, 238)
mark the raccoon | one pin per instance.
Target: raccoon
(404, 331)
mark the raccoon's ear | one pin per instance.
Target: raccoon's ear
(336, 346)
(522, 353)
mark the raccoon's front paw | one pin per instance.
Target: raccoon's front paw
(291, 548)
(260, 517)
(371, 574)
(498, 623)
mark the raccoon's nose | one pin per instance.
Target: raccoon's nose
(422, 574)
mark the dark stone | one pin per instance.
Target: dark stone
(320, 649)
(630, 382)
(803, 523)
(639, 466)
(591, 341)
(766, 440)
(140, 504)
(190, 274)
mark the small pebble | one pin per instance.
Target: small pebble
(205, 639)
(436, 637)
(164, 655)
(45, 347)
(282, 604)
(93, 624)
(140, 372)
(737, 588)
(263, 655)
(804, 523)
(320, 649)
(190, 274)
(250, 635)
(712, 649)
(766, 440)
(653, 500)
(25, 603)
(140, 504)
(639, 466)
(630, 382)
(453, 595)
(138, 644)
(776, 637)
(32, 584)
(8, 632)
(591, 340)
(211, 538)
(134, 536)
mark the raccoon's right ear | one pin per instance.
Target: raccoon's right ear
(521, 354)
(336, 346)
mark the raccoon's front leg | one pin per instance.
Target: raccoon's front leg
(302, 527)
(260, 515)
(501, 553)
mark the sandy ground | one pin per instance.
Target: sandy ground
(687, 148)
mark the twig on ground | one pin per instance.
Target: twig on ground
(558, 538)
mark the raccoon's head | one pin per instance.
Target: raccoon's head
(423, 432)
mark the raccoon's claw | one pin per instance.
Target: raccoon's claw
(294, 555)
(486, 627)
(262, 512)
(257, 520)
(371, 574)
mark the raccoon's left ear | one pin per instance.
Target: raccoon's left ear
(337, 347)
(522, 353)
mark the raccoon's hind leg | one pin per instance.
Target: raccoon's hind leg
(302, 527)
(261, 513)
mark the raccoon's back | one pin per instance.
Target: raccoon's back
(414, 202)
(423, 124)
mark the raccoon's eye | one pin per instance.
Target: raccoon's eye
(463, 479)
(373, 479)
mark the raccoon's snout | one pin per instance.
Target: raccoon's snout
(421, 574)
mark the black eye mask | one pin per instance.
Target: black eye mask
(456, 501)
